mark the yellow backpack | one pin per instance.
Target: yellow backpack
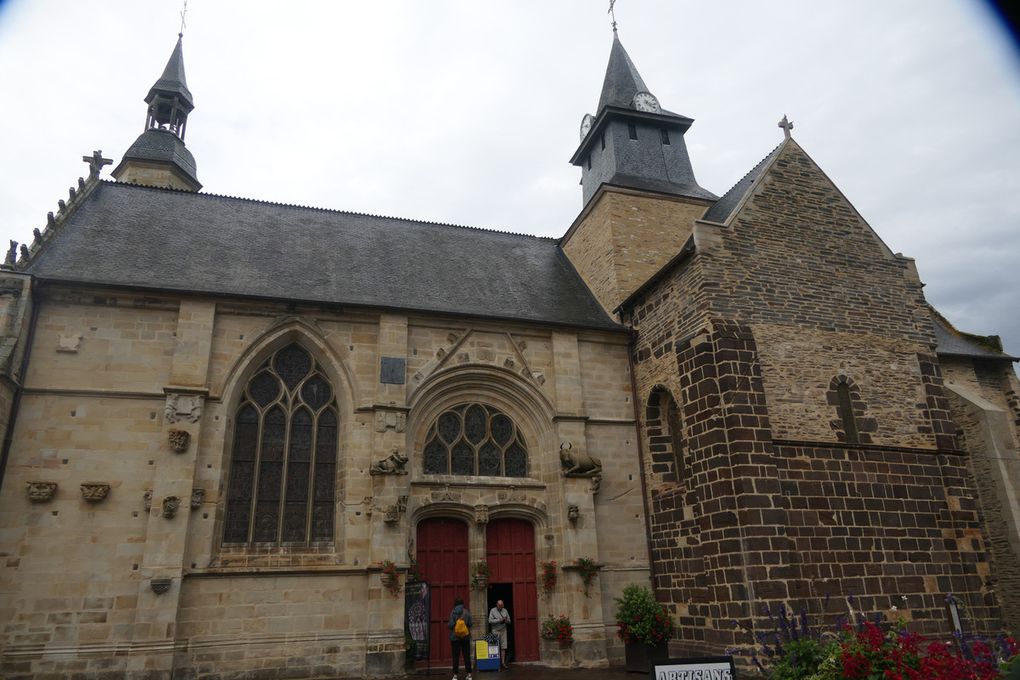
(460, 628)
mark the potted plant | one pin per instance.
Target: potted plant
(480, 575)
(644, 625)
(549, 577)
(558, 629)
(588, 568)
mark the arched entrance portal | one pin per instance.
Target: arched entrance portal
(510, 552)
(442, 554)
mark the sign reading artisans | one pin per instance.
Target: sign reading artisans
(705, 668)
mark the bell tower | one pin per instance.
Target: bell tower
(158, 157)
(639, 194)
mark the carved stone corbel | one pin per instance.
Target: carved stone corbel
(481, 514)
(573, 513)
(160, 585)
(40, 492)
(95, 492)
(178, 440)
(147, 499)
(197, 498)
(170, 506)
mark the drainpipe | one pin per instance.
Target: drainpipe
(19, 386)
(641, 461)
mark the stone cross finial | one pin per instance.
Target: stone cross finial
(612, 13)
(786, 125)
(96, 163)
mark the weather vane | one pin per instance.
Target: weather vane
(184, 11)
(612, 13)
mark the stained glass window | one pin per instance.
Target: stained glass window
(474, 439)
(282, 482)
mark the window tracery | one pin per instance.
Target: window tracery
(281, 488)
(474, 439)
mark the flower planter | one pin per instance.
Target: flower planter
(557, 654)
(640, 657)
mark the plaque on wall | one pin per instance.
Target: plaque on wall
(391, 370)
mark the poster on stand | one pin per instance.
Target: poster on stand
(416, 617)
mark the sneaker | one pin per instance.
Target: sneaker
(455, 677)
(469, 676)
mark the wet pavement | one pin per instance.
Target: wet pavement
(537, 672)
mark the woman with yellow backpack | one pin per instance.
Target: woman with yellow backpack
(460, 637)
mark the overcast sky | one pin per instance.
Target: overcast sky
(467, 111)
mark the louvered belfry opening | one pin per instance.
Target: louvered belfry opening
(475, 439)
(283, 461)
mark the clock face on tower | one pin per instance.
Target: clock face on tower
(586, 124)
(646, 101)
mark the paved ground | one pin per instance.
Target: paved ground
(536, 672)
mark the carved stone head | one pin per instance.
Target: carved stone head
(170, 505)
(573, 513)
(197, 497)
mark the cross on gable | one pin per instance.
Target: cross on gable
(96, 163)
(612, 13)
(787, 125)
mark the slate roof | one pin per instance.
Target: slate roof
(173, 81)
(723, 209)
(951, 342)
(162, 146)
(161, 239)
(623, 81)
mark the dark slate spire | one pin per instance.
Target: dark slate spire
(633, 142)
(172, 82)
(158, 157)
(622, 79)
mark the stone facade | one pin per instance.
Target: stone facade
(773, 423)
(770, 499)
(150, 591)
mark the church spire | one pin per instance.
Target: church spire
(622, 80)
(633, 142)
(169, 98)
(158, 157)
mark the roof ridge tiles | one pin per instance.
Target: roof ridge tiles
(328, 210)
(742, 185)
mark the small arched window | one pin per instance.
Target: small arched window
(846, 413)
(665, 435)
(473, 439)
(283, 460)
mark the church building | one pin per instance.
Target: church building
(237, 434)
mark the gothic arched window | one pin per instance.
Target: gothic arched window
(473, 439)
(284, 455)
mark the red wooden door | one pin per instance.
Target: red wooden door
(442, 554)
(510, 551)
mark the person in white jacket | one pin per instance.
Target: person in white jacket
(499, 619)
